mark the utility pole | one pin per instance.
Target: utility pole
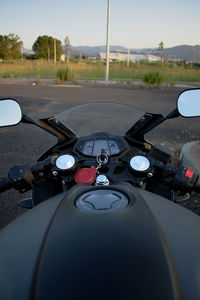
(55, 51)
(128, 58)
(67, 45)
(129, 45)
(107, 43)
(22, 50)
(48, 54)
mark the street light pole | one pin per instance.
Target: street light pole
(107, 43)
(55, 51)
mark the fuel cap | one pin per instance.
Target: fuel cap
(102, 201)
(102, 180)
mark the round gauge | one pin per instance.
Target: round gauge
(65, 162)
(139, 163)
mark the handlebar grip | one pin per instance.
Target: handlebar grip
(5, 183)
(22, 177)
(187, 179)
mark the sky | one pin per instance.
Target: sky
(133, 23)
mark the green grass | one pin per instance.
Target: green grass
(64, 75)
(88, 70)
(153, 78)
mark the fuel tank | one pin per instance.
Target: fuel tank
(88, 243)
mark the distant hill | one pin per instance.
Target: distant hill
(183, 52)
(189, 53)
(91, 50)
(186, 52)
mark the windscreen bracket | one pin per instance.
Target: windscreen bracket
(144, 125)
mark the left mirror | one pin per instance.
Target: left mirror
(10, 112)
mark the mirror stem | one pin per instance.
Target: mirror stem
(173, 114)
(28, 119)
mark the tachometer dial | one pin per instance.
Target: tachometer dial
(65, 162)
(139, 163)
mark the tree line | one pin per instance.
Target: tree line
(10, 46)
(44, 47)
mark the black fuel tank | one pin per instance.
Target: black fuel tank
(104, 253)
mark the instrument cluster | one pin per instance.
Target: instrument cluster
(92, 146)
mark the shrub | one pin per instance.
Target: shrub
(64, 75)
(172, 82)
(37, 80)
(153, 78)
(128, 81)
(58, 81)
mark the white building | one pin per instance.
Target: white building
(62, 57)
(116, 56)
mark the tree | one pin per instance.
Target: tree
(44, 47)
(160, 48)
(67, 45)
(10, 46)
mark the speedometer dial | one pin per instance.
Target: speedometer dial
(94, 146)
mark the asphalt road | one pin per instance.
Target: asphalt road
(23, 144)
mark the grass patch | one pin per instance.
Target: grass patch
(128, 81)
(38, 80)
(153, 78)
(64, 75)
(94, 71)
(58, 81)
(171, 81)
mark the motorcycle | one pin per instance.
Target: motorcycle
(102, 223)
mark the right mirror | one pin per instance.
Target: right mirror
(189, 103)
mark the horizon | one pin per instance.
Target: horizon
(145, 48)
(134, 25)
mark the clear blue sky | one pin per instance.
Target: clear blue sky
(135, 24)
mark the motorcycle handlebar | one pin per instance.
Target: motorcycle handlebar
(182, 178)
(23, 177)
(40, 166)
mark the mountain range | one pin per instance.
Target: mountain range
(186, 52)
(182, 52)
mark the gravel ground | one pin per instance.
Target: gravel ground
(193, 203)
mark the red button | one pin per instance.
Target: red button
(86, 175)
(189, 173)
